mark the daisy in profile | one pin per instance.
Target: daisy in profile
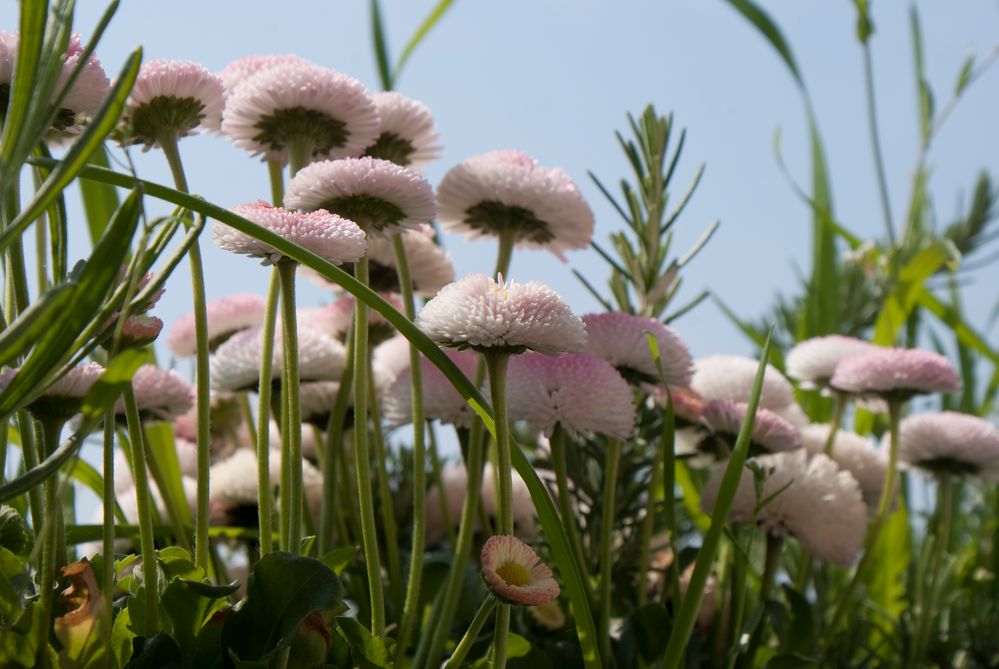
(810, 499)
(950, 443)
(234, 487)
(407, 135)
(295, 110)
(160, 394)
(170, 100)
(515, 574)
(62, 399)
(895, 374)
(440, 399)
(506, 194)
(621, 340)
(226, 317)
(814, 360)
(771, 433)
(853, 453)
(731, 377)
(243, 68)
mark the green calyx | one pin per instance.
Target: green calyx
(163, 115)
(286, 126)
(392, 147)
(371, 213)
(494, 218)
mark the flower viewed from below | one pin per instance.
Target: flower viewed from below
(297, 104)
(621, 340)
(580, 392)
(950, 443)
(455, 480)
(771, 433)
(329, 236)
(339, 317)
(62, 399)
(161, 394)
(241, 69)
(233, 500)
(506, 193)
(407, 135)
(814, 360)
(380, 196)
(317, 398)
(440, 399)
(810, 499)
(688, 406)
(140, 330)
(515, 573)
(731, 377)
(895, 374)
(226, 317)
(854, 453)
(477, 312)
(170, 99)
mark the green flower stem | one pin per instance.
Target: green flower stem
(168, 143)
(143, 503)
(501, 636)
(41, 256)
(471, 634)
(505, 254)
(496, 364)
(299, 153)
(48, 530)
(246, 413)
(335, 478)
(17, 275)
(941, 542)
(362, 457)
(393, 561)
(173, 506)
(438, 480)
(772, 562)
(291, 423)
(611, 468)
(874, 530)
(275, 172)
(411, 605)
(29, 452)
(263, 442)
(663, 474)
(107, 545)
(558, 447)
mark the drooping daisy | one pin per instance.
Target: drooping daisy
(515, 573)
(950, 443)
(818, 504)
(170, 99)
(580, 392)
(160, 394)
(332, 238)
(731, 377)
(621, 340)
(507, 193)
(895, 374)
(299, 104)
(63, 398)
(854, 453)
(771, 433)
(477, 312)
(407, 135)
(814, 360)
(440, 399)
(380, 196)
(241, 69)
(226, 317)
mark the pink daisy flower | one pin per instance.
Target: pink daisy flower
(317, 399)
(853, 453)
(241, 69)
(771, 433)
(814, 360)
(580, 392)
(340, 316)
(895, 374)
(141, 330)
(296, 101)
(950, 443)
(226, 317)
(515, 573)
(621, 340)
(810, 499)
(161, 394)
(172, 98)
(329, 236)
(388, 360)
(62, 399)
(507, 192)
(477, 312)
(440, 400)
(688, 406)
(233, 497)
(381, 197)
(407, 135)
(731, 377)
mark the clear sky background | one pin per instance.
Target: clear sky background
(556, 77)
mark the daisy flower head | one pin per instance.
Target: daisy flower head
(688, 406)
(506, 193)
(440, 399)
(160, 394)
(515, 574)
(317, 399)
(810, 499)
(62, 399)
(341, 317)
(771, 433)
(731, 377)
(84, 97)
(622, 340)
(171, 98)
(549, 615)
(226, 317)
(407, 135)
(854, 453)
(480, 313)
(140, 330)
(295, 103)
(814, 360)
(243, 68)
(380, 196)
(950, 443)
(329, 236)
(578, 391)
(895, 374)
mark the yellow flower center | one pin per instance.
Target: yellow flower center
(515, 574)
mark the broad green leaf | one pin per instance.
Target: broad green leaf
(338, 558)
(435, 15)
(885, 579)
(29, 53)
(156, 652)
(900, 302)
(99, 200)
(31, 324)
(691, 497)
(368, 651)
(188, 604)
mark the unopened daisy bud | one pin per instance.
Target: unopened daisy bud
(440, 399)
(731, 377)
(297, 103)
(13, 535)
(160, 394)
(406, 135)
(950, 443)
(477, 312)
(895, 374)
(622, 340)
(138, 331)
(172, 98)
(329, 236)
(814, 360)
(64, 397)
(381, 197)
(507, 193)
(580, 392)
(771, 433)
(515, 573)
(854, 453)
(810, 499)
(225, 318)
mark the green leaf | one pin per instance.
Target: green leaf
(762, 21)
(34, 322)
(338, 558)
(99, 200)
(648, 624)
(903, 298)
(381, 45)
(282, 591)
(368, 651)
(435, 15)
(864, 26)
(964, 77)
(885, 578)
(188, 604)
(156, 652)
(29, 53)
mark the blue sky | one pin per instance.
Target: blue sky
(556, 77)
